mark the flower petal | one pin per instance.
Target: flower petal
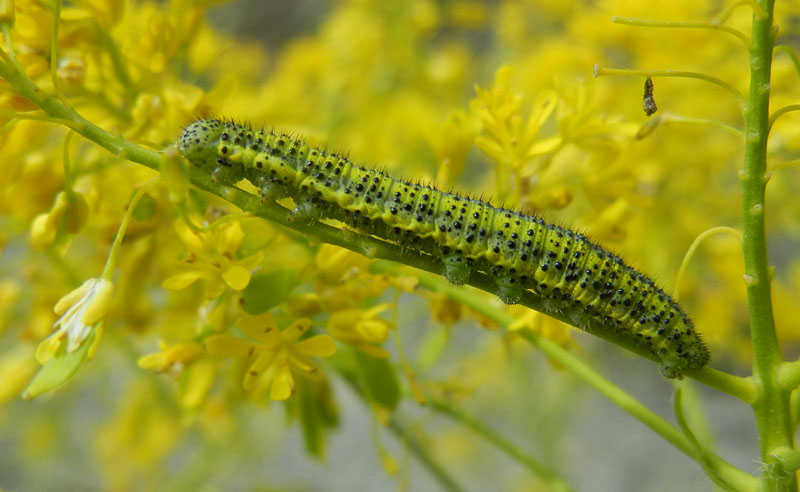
(230, 237)
(99, 302)
(296, 329)
(261, 328)
(228, 346)
(182, 280)
(373, 350)
(318, 346)
(70, 299)
(192, 241)
(257, 368)
(282, 383)
(47, 348)
(198, 383)
(237, 277)
(373, 330)
(251, 261)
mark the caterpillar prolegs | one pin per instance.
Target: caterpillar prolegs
(522, 252)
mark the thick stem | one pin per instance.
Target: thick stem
(771, 407)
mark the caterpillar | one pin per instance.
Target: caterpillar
(522, 252)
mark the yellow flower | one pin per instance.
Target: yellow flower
(212, 258)
(172, 359)
(69, 214)
(81, 310)
(184, 358)
(361, 329)
(511, 141)
(274, 352)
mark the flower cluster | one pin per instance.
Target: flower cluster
(205, 310)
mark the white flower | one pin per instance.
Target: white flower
(80, 310)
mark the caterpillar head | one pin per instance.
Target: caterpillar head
(198, 142)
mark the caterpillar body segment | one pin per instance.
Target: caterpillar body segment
(522, 252)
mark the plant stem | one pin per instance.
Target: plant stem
(424, 457)
(722, 469)
(771, 407)
(628, 72)
(554, 482)
(686, 25)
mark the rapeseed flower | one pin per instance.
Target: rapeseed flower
(274, 354)
(212, 257)
(80, 312)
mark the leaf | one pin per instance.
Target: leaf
(379, 379)
(310, 420)
(57, 370)
(267, 290)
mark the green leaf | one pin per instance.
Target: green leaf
(267, 290)
(379, 379)
(313, 433)
(58, 370)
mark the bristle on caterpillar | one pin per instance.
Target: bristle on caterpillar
(522, 252)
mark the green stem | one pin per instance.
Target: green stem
(366, 245)
(115, 144)
(376, 248)
(556, 353)
(117, 61)
(771, 408)
(668, 119)
(111, 261)
(777, 114)
(54, 50)
(721, 469)
(627, 72)
(685, 25)
(725, 14)
(554, 482)
(424, 457)
(738, 387)
(792, 56)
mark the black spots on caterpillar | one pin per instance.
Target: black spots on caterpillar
(523, 253)
(648, 101)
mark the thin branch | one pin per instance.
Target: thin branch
(706, 459)
(693, 248)
(686, 25)
(783, 164)
(777, 114)
(792, 55)
(668, 119)
(726, 14)
(539, 469)
(600, 71)
(424, 456)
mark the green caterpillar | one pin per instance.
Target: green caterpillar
(522, 252)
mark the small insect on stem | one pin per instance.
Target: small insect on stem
(648, 102)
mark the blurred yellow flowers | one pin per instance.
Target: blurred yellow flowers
(274, 352)
(212, 257)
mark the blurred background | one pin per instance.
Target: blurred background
(493, 98)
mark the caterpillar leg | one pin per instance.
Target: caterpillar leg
(306, 210)
(225, 173)
(456, 269)
(271, 190)
(509, 288)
